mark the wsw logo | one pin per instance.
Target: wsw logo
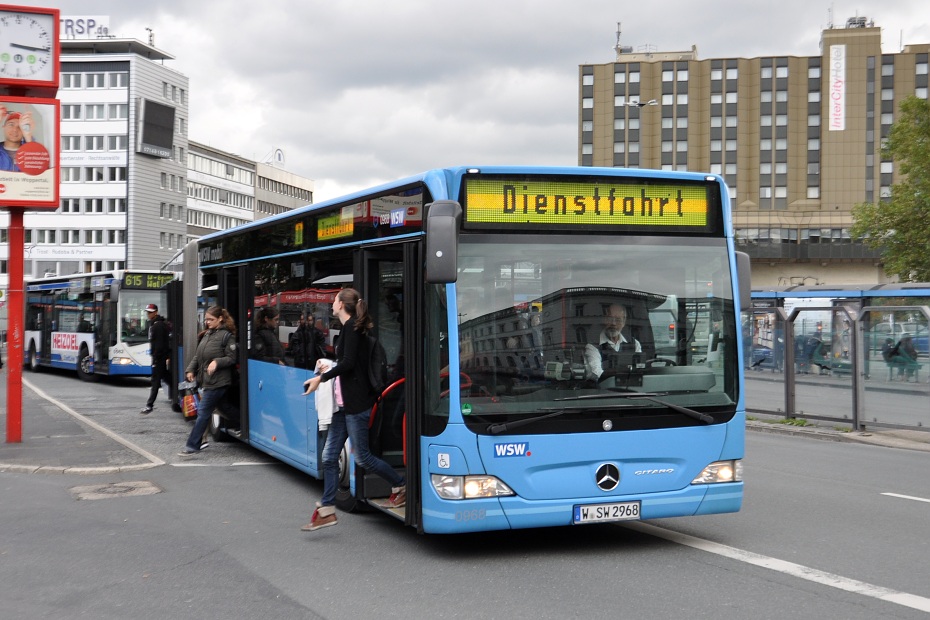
(512, 449)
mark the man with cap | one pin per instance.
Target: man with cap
(159, 338)
(17, 130)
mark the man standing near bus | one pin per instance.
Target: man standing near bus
(160, 341)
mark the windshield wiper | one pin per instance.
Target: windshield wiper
(497, 429)
(650, 396)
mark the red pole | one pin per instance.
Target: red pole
(14, 332)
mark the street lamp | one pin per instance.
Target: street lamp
(636, 103)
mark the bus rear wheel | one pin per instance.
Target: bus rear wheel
(32, 358)
(218, 428)
(85, 366)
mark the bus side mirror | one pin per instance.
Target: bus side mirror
(442, 241)
(114, 291)
(743, 273)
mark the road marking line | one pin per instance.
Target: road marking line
(916, 499)
(789, 568)
(148, 455)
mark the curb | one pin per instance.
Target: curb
(12, 468)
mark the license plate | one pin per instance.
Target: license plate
(599, 513)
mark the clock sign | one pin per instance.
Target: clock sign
(29, 47)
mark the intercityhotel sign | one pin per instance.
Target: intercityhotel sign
(837, 112)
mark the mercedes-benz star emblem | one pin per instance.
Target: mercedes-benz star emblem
(607, 477)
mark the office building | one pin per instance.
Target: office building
(797, 138)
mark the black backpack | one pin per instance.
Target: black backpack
(377, 365)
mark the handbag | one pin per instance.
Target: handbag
(189, 399)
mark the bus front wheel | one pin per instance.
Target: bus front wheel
(345, 501)
(217, 428)
(85, 366)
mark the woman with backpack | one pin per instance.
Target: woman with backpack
(351, 417)
(212, 367)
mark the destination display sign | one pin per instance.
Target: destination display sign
(591, 204)
(148, 281)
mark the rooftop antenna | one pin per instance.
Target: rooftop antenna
(151, 37)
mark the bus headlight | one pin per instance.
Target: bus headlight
(469, 487)
(721, 471)
(121, 361)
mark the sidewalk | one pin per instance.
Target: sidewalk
(58, 440)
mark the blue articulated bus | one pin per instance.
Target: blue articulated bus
(93, 323)
(563, 343)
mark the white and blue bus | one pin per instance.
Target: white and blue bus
(490, 290)
(93, 323)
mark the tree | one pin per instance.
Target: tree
(900, 226)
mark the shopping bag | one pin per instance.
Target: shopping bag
(189, 398)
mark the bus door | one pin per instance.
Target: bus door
(104, 314)
(234, 280)
(391, 281)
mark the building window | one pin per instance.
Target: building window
(716, 74)
(164, 180)
(119, 111)
(96, 80)
(585, 126)
(117, 143)
(765, 96)
(716, 121)
(119, 80)
(619, 124)
(813, 168)
(765, 121)
(813, 144)
(587, 103)
(716, 98)
(765, 192)
(93, 237)
(667, 146)
(887, 119)
(619, 78)
(887, 94)
(781, 144)
(71, 80)
(813, 97)
(781, 95)
(813, 120)
(93, 205)
(921, 93)
(71, 143)
(619, 147)
(117, 174)
(813, 192)
(93, 143)
(766, 74)
(731, 121)
(683, 75)
(888, 69)
(70, 174)
(634, 124)
(116, 205)
(813, 73)
(716, 145)
(682, 99)
(781, 120)
(70, 112)
(71, 205)
(116, 237)
(619, 101)
(94, 174)
(781, 72)
(71, 237)
(668, 76)
(781, 168)
(765, 145)
(731, 97)
(682, 146)
(634, 77)
(887, 167)
(94, 112)
(732, 74)
(587, 149)
(730, 145)
(587, 80)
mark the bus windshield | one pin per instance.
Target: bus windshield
(637, 328)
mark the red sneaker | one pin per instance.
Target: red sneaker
(398, 498)
(323, 516)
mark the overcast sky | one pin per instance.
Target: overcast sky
(358, 92)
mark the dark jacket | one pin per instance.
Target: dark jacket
(352, 368)
(267, 347)
(159, 338)
(211, 348)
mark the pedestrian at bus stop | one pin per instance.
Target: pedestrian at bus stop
(351, 417)
(160, 341)
(212, 367)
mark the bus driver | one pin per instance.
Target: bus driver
(611, 340)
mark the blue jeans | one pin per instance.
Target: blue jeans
(209, 399)
(354, 425)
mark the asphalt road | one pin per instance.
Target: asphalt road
(828, 530)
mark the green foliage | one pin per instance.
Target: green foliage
(899, 226)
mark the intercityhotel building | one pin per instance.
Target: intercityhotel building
(798, 140)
